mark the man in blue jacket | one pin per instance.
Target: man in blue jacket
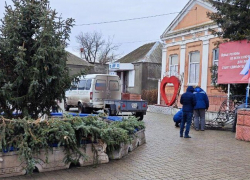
(202, 104)
(188, 102)
(177, 118)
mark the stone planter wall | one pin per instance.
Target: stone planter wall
(10, 165)
(138, 139)
(243, 125)
(93, 158)
(55, 160)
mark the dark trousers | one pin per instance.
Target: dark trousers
(199, 119)
(186, 119)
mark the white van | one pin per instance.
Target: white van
(89, 93)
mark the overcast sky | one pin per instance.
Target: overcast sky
(129, 35)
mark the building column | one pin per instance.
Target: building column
(163, 71)
(122, 81)
(163, 61)
(182, 65)
(204, 70)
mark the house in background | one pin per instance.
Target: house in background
(190, 50)
(76, 65)
(140, 69)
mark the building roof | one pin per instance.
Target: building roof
(150, 52)
(74, 60)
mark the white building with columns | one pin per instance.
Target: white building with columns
(190, 50)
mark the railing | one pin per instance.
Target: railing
(226, 115)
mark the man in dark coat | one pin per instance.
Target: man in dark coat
(188, 102)
(202, 104)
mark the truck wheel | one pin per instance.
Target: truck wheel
(110, 112)
(87, 110)
(66, 107)
(107, 111)
(139, 115)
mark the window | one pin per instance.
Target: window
(131, 78)
(173, 65)
(73, 86)
(194, 67)
(113, 85)
(82, 84)
(100, 85)
(215, 65)
(88, 84)
(216, 56)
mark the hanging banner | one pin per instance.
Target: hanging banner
(233, 56)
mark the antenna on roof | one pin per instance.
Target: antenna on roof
(81, 51)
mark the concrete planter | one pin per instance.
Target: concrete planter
(124, 149)
(55, 160)
(96, 154)
(10, 165)
(119, 153)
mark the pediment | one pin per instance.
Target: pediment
(193, 14)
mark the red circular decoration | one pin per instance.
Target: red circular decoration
(175, 81)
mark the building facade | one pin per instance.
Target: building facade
(139, 70)
(190, 50)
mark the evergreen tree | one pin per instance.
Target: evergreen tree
(232, 17)
(33, 72)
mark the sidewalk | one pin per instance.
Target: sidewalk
(207, 155)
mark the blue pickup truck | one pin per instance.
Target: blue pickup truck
(115, 107)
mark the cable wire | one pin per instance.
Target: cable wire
(131, 19)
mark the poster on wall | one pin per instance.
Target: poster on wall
(233, 57)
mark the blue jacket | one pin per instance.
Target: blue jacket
(188, 100)
(202, 101)
(178, 116)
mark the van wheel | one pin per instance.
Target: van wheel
(80, 108)
(83, 109)
(66, 107)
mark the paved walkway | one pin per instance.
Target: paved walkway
(208, 154)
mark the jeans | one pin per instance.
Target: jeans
(186, 119)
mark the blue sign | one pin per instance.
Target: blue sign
(114, 66)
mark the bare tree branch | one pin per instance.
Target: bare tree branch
(95, 48)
